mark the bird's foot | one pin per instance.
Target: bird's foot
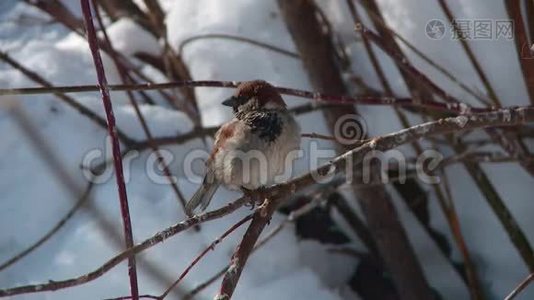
(255, 197)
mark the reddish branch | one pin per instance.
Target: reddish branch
(144, 125)
(455, 108)
(112, 131)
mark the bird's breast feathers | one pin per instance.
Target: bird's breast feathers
(253, 149)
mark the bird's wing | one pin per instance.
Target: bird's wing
(227, 131)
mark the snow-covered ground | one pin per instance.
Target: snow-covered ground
(32, 199)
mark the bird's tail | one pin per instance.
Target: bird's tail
(202, 197)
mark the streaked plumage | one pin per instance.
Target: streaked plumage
(262, 133)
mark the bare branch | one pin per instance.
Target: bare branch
(526, 59)
(206, 250)
(235, 38)
(144, 126)
(112, 131)
(67, 99)
(455, 108)
(474, 61)
(520, 287)
(513, 147)
(446, 202)
(379, 22)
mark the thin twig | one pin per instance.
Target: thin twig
(474, 61)
(314, 135)
(512, 147)
(456, 108)
(379, 22)
(446, 202)
(67, 99)
(520, 287)
(145, 296)
(225, 36)
(206, 250)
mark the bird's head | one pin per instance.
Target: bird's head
(255, 95)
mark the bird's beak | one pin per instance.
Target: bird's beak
(232, 101)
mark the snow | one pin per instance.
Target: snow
(131, 38)
(285, 268)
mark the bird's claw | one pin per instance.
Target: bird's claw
(255, 197)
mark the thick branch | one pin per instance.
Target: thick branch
(124, 78)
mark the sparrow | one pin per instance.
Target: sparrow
(252, 149)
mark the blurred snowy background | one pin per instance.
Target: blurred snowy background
(32, 199)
